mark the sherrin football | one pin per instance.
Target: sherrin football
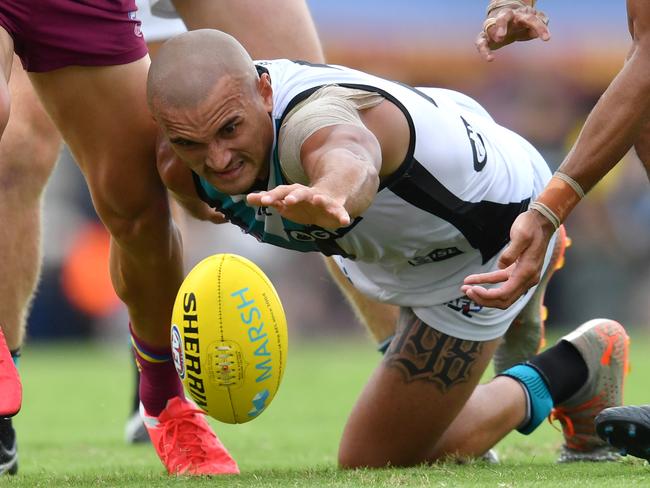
(229, 338)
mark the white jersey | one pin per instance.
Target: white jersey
(446, 213)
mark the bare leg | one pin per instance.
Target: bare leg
(413, 396)
(379, 319)
(268, 30)
(28, 151)
(492, 412)
(112, 136)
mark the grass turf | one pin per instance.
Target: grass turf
(77, 396)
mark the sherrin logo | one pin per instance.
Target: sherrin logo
(178, 355)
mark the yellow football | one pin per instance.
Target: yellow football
(229, 338)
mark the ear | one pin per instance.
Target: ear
(265, 90)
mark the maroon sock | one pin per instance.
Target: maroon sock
(158, 378)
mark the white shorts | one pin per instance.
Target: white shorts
(464, 319)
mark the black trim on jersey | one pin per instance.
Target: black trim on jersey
(408, 160)
(302, 62)
(261, 70)
(304, 95)
(485, 225)
(415, 90)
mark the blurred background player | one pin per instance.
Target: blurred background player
(618, 122)
(141, 254)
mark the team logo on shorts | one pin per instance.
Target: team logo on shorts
(137, 26)
(465, 306)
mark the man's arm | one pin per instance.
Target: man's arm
(342, 163)
(642, 146)
(611, 129)
(615, 123)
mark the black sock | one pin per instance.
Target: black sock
(7, 433)
(563, 368)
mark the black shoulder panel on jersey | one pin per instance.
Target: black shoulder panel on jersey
(486, 225)
(214, 203)
(409, 153)
(261, 70)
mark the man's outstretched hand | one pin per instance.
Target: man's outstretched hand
(520, 263)
(303, 205)
(507, 25)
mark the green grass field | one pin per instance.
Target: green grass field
(77, 396)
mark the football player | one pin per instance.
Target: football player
(618, 122)
(409, 190)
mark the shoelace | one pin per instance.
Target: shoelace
(563, 415)
(183, 430)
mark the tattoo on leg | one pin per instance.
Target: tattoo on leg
(423, 353)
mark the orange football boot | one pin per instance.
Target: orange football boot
(185, 443)
(603, 344)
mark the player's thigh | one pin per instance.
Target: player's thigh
(103, 115)
(412, 397)
(30, 143)
(268, 30)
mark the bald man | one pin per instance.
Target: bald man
(408, 189)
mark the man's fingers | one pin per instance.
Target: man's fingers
(278, 194)
(492, 277)
(540, 28)
(500, 30)
(342, 215)
(512, 252)
(533, 25)
(332, 207)
(217, 218)
(501, 297)
(268, 198)
(483, 48)
(298, 195)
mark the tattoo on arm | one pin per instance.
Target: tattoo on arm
(422, 353)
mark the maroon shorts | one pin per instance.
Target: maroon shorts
(52, 34)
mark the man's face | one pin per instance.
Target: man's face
(227, 137)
